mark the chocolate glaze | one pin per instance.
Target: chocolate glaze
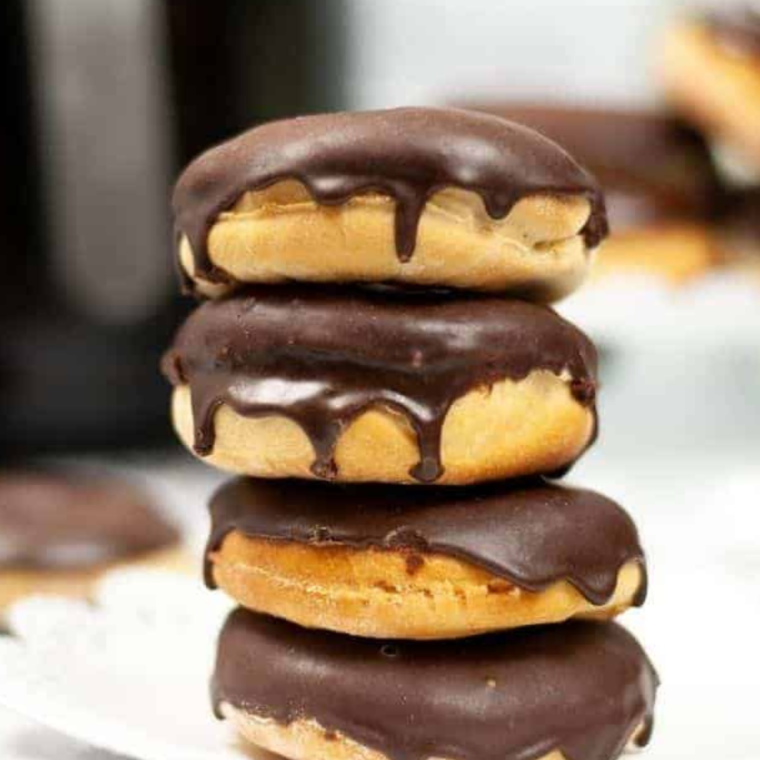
(52, 521)
(581, 688)
(322, 356)
(531, 533)
(406, 153)
(653, 168)
(737, 25)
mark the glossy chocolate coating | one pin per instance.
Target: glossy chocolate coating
(581, 688)
(321, 356)
(406, 153)
(52, 521)
(653, 169)
(531, 533)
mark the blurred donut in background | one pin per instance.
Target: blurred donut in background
(660, 185)
(59, 533)
(739, 229)
(710, 71)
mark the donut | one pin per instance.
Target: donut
(60, 532)
(740, 227)
(659, 182)
(710, 69)
(381, 385)
(394, 562)
(580, 691)
(430, 197)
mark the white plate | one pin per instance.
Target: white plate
(128, 674)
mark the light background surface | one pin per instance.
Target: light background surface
(421, 51)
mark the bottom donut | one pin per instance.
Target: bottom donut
(580, 691)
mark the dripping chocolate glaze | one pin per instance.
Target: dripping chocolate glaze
(322, 356)
(54, 521)
(737, 25)
(406, 153)
(581, 688)
(653, 168)
(532, 533)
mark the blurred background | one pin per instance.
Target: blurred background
(103, 103)
(105, 100)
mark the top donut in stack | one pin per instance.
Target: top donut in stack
(447, 379)
(421, 196)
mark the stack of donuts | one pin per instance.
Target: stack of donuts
(375, 359)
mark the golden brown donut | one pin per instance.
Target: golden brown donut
(60, 532)
(380, 386)
(582, 690)
(710, 69)
(438, 563)
(431, 197)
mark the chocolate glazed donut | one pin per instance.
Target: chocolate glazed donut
(583, 689)
(321, 357)
(60, 531)
(710, 68)
(408, 154)
(436, 563)
(54, 521)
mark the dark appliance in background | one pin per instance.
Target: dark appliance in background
(103, 102)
